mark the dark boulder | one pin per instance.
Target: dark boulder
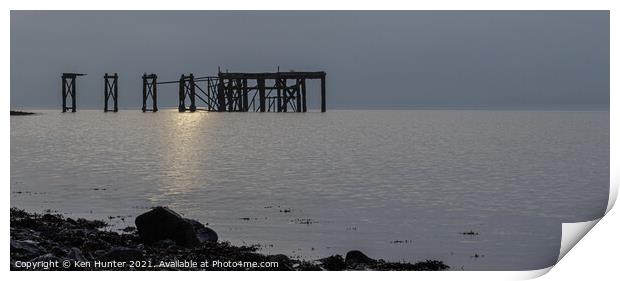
(335, 262)
(356, 259)
(162, 223)
(203, 233)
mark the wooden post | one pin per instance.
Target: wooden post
(323, 101)
(192, 93)
(115, 92)
(154, 93)
(144, 92)
(229, 95)
(298, 94)
(245, 95)
(209, 94)
(303, 96)
(64, 93)
(279, 100)
(239, 105)
(73, 101)
(220, 95)
(182, 93)
(261, 93)
(284, 96)
(106, 86)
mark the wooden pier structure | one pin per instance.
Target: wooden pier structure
(226, 92)
(255, 91)
(247, 92)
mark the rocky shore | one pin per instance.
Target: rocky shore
(16, 112)
(161, 240)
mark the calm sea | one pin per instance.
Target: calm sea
(401, 185)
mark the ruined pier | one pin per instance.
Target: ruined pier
(248, 92)
(226, 92)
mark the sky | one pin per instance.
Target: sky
(373, 59)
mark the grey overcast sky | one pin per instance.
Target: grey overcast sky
(547, 59)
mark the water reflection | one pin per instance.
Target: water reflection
(183, 141)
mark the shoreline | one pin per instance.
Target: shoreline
(52, 241)
(21, 113)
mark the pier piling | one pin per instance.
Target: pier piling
(149, 89)
(110, 90)
(69, 90)
(323, 100)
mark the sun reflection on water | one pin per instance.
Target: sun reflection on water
(180, 163)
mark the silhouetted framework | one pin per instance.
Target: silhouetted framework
(69, 89)
(149, 89)
(267, 92)
(187, 88)
(230, 92)
(110, 90)
(243, 92)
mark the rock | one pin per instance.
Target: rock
(27, 248)
(123, 254)
(24, 234)
(356, 259)
(162, 223)
(76, 254)
(51, 218)
(335, 262)
(72, 237)
(59, 252)
(94, 244)
(99, 253)
(27, 222)
(430, 265)
(16, 112)
(307, 266)
(88, 224)
(204, 233)
(129, 229)
(164, 244)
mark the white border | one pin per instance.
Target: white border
(599, 259)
